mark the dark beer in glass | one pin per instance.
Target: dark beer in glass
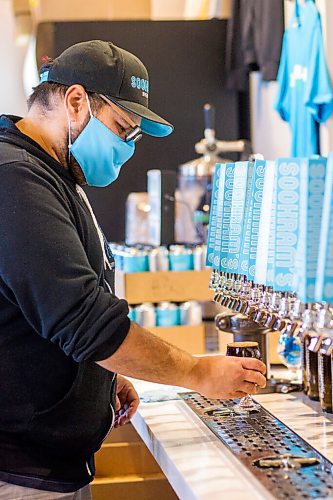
(245, 350)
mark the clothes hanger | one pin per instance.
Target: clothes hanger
(297, 7)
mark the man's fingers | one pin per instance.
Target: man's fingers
(255, 378)
(249, 388)
(133, 407)
(253, 364)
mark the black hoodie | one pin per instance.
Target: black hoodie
(57, 317)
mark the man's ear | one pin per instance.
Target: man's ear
(75, 103)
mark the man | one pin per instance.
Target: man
(64, 335)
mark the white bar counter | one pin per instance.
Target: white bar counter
(196, 463)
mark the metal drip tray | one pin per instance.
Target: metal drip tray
(260, 435)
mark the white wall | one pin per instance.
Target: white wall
(326, 10)
(270, 135)
(12, 96)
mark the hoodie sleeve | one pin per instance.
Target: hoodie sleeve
(268, 33)
(45, 271)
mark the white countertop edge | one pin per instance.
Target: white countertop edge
(176, 480)
(151, 423)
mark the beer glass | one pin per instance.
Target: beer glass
(245, 350)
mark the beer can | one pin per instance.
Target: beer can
(204, 256)
(153, 260)
(163, 261)
(167, 314)
(117, 251)
(131, 314)
(158, 259)
(135, 261)
(145, 315)
(181, 258)
(197, 258)
(190, 313)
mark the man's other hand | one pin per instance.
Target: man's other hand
(127, 401)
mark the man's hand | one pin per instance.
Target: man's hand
(222, 377)
(127, 401)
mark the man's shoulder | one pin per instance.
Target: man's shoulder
(17, 161)
(12, 153)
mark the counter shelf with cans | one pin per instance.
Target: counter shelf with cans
(164, 287)
(144, 258)
(166, 314)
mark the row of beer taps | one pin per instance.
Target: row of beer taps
(275, 310)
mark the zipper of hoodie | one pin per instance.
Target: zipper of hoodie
(109, 430)
(85, 200)
(113, 415)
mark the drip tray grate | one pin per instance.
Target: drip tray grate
(260, 435)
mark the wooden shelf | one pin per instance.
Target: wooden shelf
(125, 469)
(140, 487)
(114, 460)
(173, 286)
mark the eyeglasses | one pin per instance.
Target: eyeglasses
(135, 134)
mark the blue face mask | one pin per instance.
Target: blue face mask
(99, 152)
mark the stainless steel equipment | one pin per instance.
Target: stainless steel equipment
(244, 329)
(195, 178)
(252, 313)
(285, 464)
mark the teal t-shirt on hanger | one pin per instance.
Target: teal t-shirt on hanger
(305, 95)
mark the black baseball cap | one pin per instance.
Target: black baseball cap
(103, 68)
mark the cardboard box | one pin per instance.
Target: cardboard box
(76, 10)
(189, 338)
(172, 9)
(51, 10)
(172, 286)
(273, 339)
(21, 7)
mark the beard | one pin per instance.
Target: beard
(76, 171)
(68, 159)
